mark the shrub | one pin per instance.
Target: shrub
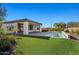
(6, 43)
(58, 29)
(77, 31)
(67, 31)
(72, 31)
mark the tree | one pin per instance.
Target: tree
(7, 43)
(2, 16)
(60, 26)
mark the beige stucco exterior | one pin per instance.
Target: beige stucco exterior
(25, 29)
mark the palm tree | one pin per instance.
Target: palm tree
(60, 26)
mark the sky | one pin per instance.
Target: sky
(45, 13)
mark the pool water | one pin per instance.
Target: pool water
(51, 34)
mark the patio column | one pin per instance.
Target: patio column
(40, 28)
(16, 29)
(25, 31)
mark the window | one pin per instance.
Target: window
(10, 28)
(38, 27)
(30, 27)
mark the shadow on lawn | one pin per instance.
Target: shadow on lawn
(42, 37)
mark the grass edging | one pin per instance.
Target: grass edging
(32, 36)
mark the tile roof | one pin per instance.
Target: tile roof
(22, 20)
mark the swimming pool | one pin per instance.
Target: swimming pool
(51, 34)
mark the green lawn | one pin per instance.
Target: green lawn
(39, 46)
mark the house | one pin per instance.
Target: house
(22, 26)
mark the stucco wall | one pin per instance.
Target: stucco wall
(25, 28)
(4, 26)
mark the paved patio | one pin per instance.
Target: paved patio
(74, 36)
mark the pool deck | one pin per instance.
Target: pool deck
(74, 36)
